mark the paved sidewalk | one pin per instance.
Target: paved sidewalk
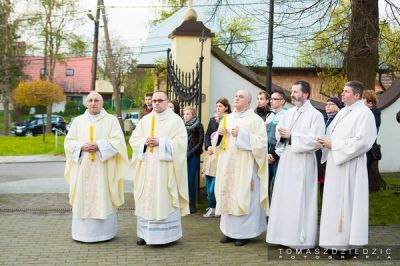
(42, 237)
(32, 158)
(46, 184)
(36, 230)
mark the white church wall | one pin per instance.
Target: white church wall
(225, 82)
(389, 138)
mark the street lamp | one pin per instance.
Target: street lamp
(268, 84)
(95, 44)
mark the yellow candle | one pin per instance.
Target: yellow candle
(224, 122)
(224, 144)
(153, 122)
(91, 132)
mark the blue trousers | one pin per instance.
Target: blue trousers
(193, 165)
(210, 184)
(271, 180)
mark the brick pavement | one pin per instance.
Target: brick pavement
(43, 238)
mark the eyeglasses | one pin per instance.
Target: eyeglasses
(157, 101)
(276, 99)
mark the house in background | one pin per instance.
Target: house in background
(72, 74)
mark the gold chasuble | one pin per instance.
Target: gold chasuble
(96, 186)
(160, 182)
(233, 183)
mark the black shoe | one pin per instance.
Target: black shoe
(140, 241)
(193, 210)
(226, 239)
(241, 242)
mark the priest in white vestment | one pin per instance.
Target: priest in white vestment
(293, 213)
(159, 144)
(241, 182)
(96, 162)
(344, 217)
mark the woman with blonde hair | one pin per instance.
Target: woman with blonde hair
(195, 142)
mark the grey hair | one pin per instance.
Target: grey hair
(249, 95)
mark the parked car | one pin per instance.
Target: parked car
(130, 121)
(68, 126)
(34, 126)
(134, 117)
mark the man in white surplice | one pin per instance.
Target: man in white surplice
(344, 217)
(293, 213)
(241, 183)
(159, 148)
(96, 162)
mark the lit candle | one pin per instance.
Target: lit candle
(224, 144)
(153, 122)
(91, 131)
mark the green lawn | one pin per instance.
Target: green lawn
(384, 208)
(392, 178)
(1, 123)
(12, 145)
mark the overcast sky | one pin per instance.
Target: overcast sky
(129, 20)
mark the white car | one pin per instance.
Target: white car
(134, 117)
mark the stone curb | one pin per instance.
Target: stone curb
(32, 159)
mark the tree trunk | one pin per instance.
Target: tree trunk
(48, 118)
(362, 56)
(6, 115)
(375, 180)
(116, 92)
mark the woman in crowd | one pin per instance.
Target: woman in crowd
(222, 108)
(195, 142)
(174, 105)
(374, 154)
(332, 107)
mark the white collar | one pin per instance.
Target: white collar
(245, 112)
(356, 104)
(162, 115)
(304, 107)
(94, 118)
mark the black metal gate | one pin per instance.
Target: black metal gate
(185, 87)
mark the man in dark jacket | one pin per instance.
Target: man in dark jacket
(147, 106)
(263, 109)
